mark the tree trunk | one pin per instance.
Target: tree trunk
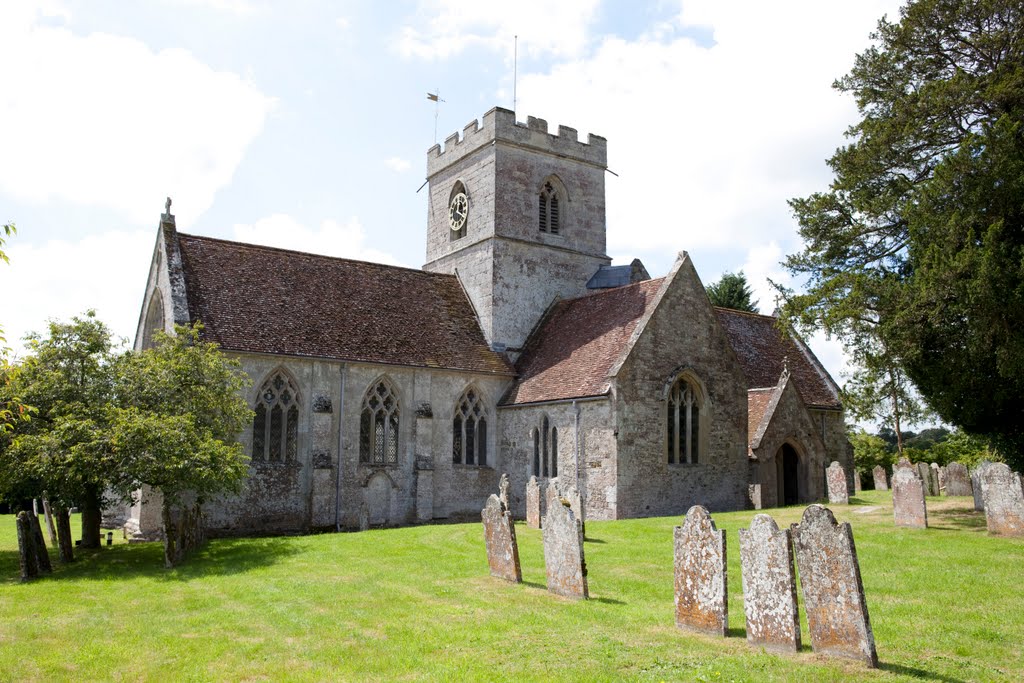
(49, 522)
(91, 519)
(67, 548)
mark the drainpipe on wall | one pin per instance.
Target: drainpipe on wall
(579, 463)
(341, 449)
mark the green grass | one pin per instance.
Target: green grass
(417, 603)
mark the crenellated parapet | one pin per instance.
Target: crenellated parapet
(500, 126)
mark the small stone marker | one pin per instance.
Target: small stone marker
(837, 615)
(533, 504)
(27, 558)
(563, 552)
(503, 490)
(1004, 500)
(700, 575)
(500, 539)
(937, 477)
(836, 478)
(908, 506)
(979, 498)
(881, 480)
(958, 481)
(769, 586)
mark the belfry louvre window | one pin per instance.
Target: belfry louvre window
(683, 423)
(275, 424)
(378, 426)
(547, 210)
(469, 430)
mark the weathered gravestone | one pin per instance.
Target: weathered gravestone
(503, 491)
(533, 504)
(500, 540)
(837, 614)
(563, 552)
(42, 557)
(937, 478)
(700, 574)
(769, 586)
(958, 481)
(881, 480)
(27, 558)
(835, 476)
(979, 499)
(857, 484)
(908, 506)
(925, 473)
(183, 532)
(1004, 500)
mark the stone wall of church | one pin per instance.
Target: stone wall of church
(591, 468)
(832, 427)
(682, 335)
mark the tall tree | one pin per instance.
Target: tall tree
(918, 244)
(11, 408)
(732, 291)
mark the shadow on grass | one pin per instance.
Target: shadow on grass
(588, 539)
(215, 558)
(956, 519)
(917, 673)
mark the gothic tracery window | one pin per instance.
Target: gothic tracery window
(378, 425)
(275, 425)
(547, 209)
(469, 430)
(683, 422)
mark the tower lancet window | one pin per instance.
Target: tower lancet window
(548, 211)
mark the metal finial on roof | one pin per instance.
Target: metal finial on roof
(167, 206)
(785, 363)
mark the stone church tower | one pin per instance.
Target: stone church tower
(518, 214)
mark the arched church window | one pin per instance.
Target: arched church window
(547, 210)
(458, 212)
(154, 320)
(469, 430)
(536, 452)
(378, 425)
(275, 425)
(554, 451)
(683, 422)
(545, 449)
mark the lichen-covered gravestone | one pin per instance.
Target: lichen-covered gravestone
(500, 539)
(979, 498)
(533, 504)
(925, 473)
(958, 481)
(700, 574)
(503, 491)
(563, 552)
(1004, 500)
(937, 477)
(908, 504)
(881, 481)
(835, 475)
(769, 586)
(837, 614)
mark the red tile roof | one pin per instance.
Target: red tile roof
(578, 342)
(763, 351)
(265, 300)
(758, 401)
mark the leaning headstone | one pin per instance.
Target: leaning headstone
(958, 481)
(835, 475)
(837, 614)
(881, 480)
(500, 539)
(908, 506)
(1004, 500)
(27, 558)
(533, 504)
(42, 556)
(937, 477)
(700, 571)
(979, 499)
(503, 490)
(563, 552)
(769, 586)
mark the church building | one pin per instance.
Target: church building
(403, 395)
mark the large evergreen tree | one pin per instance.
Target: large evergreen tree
(732, 291)
(917, 248)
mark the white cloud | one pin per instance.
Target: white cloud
(344, 23)
(398, 164)
(104, 121)
(332, 238)
(451, 26)
(238, 7)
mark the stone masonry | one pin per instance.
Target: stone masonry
(769, 586)
(500, 540)
(881, 482)
(908, 503)
(564, 562)
(958, 480)
(838, 493)
(701, 593)
(1004, 500)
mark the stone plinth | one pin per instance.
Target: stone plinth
(769, 586)
(500, 539)
(700, 575)
(1004, 500)
(533, 504)
(837, 614)
(958, 481)
(908, 504)
(881, 480)
(835, 475)
(563, 553)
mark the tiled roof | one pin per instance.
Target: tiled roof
(265, 300)
(578, 342)
(763, 351)
(758, 401)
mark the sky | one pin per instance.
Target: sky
(305, 125)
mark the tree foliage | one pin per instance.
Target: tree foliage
(869, 451)
(732, 291)
(12, 409)
(917, 248)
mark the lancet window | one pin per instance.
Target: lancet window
(378, 425)
(548, 210)
(469, 430)
(683, 424)
(545, 449)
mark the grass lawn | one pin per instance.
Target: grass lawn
(946, 604)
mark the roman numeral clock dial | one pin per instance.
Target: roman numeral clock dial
(457, 211)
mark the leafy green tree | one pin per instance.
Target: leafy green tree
(963, 448)
(732, 291)
(918, 244)
(11, 407)
(869, 451)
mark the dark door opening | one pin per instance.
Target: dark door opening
(790, 479)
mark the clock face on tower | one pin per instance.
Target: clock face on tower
(457, 211)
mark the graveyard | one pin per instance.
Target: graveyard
(420, 603)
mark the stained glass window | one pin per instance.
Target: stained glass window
(469, 430)
(275, 425)
(378, 426)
